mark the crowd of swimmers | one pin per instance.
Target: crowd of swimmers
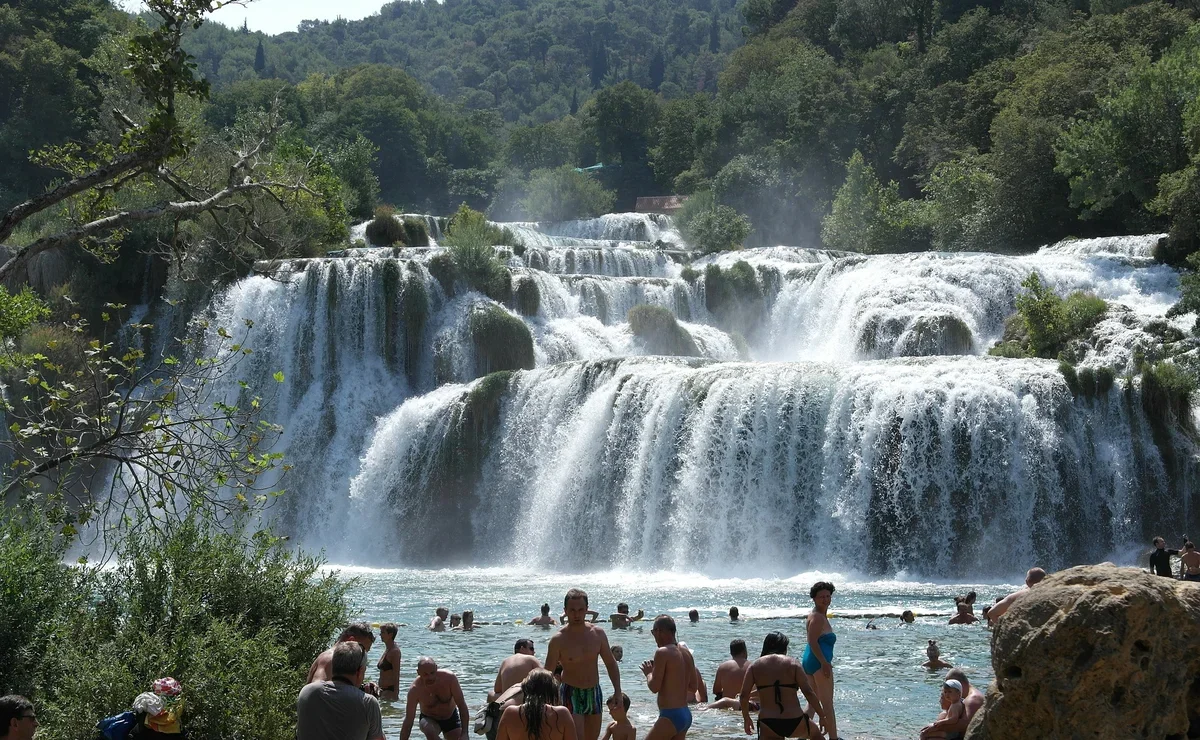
(561, 697)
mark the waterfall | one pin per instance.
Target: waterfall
(841, 408)
(942, 466)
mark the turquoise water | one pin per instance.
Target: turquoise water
(881, 689)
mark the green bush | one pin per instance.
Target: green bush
(528, 297)
(385, 229)
(1167, 394)
(1164, 332)
(1069, 375)
(734, 297)
(710, 227)
(563, 194)
(1045, 323)
(471, 240)
(443, 269)
(1087, 382)
(690, 274)
(662, 334)
(416, 232)
(501, 341)
(237, 620)
(1105, 377)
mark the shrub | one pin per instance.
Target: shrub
(734, 296)
(501, 341)
(1164, 332)
(1008, 349)
(443, 269)
(563, 194)
(236, 619)
(385, 229)
(662, 334)
(1087, 382)
(528, 297)
(416, 232)
(1167, 394)
(471, 240)
(710, 227)
(1104, 380)
(1045, 323)
(1069, 375)
(690, 274)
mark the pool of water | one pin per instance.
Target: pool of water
(881, 689)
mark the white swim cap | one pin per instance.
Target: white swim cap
(954, 684)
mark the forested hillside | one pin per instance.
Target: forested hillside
(871, 125)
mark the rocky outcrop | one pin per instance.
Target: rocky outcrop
(1096, 652)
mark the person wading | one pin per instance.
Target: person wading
(536, 718)
(576, 647)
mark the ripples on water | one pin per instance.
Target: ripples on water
(882, 691)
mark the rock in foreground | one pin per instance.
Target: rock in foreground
(1096, 652)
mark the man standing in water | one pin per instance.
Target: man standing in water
(517, 666)
(671, 675)
(1032, 578)
(577, 646)
(728, 681)
(545, 620)
(440, 698)
(1160, 558)
(438, 623)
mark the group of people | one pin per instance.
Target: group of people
(1189, 560)
(529, 702)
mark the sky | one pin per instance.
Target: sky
(277, 16)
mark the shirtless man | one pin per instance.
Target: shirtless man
(440, 699)
(545, 620)
(694, 616)
(671, 675)
(517, 666)
(951, 715)
(1191, 562)
(972, 698)
(728, 681)
(322, 667)
(438, 624)
(621, 620)
(1032, 578)
(577, 646)
(965, 615)
(389, 664)
(700, 695)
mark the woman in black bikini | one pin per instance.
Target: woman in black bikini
(389, 664)
(779, 678)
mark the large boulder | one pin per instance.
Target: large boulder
(1096, 652)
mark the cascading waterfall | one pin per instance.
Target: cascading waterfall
(947, 465)
(867, 429)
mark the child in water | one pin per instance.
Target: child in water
(620, 728)
(935, 661)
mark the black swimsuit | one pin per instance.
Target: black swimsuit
(385, 665)
(784, 726)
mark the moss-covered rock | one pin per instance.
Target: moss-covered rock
(406, 311)
(501, 341)
(661, 333)
(1167, 395)
(527, 296)
(1070, 376)
(734, 297)
(443, 269)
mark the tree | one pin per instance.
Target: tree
(260, 58)
(658, 67)
(599, 69)
(620, 119)
(714, 34)
(711, 227)
(151, 154)
(868, 216)
(564, 194)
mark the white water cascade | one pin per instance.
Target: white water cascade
(839, 410)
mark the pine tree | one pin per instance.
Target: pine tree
(599, 64)
(714, 35)
(260, 58)
(658, 68)
(574, 101)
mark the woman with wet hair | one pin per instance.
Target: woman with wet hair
(537, 717)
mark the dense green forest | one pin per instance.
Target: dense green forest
(869, 126)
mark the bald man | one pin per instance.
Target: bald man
(1032, 578)
(440, 698)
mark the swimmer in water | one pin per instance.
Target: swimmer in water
(953, 710)
(545, 620)
(1191, 562)
(621, 620)
(907, 617)
(935, 662)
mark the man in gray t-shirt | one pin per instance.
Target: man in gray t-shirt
(338, 709)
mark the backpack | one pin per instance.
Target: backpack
(118, 726)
